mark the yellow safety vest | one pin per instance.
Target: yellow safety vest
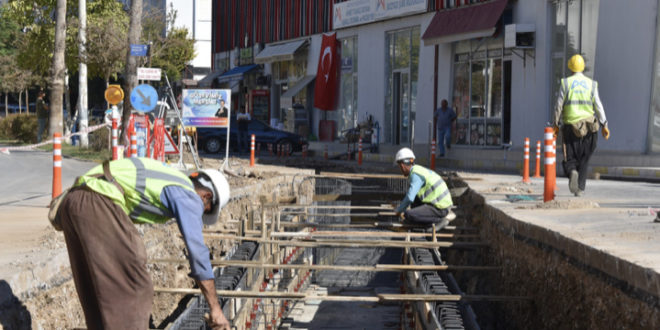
(142, 180)
(434, 191)
(578, 98)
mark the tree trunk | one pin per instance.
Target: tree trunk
(20, 101)
(27, 99)
(82, 75)
(6, 105)
(58, 70)
(134, 34)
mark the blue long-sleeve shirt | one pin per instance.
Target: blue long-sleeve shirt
(187, 208)
(416, 183)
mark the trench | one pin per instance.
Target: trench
(555, 291)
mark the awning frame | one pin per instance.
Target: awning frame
(280, 52)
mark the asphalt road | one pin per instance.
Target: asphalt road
(26, 177)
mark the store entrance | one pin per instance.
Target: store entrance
(401, 106)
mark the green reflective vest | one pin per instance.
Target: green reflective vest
(434, 191)
(578, 98)
(142, 180)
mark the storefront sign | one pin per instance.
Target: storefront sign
(206, 107)
(245, 56)
(356, 12)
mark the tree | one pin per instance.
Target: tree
(130, 74)
(58, 69)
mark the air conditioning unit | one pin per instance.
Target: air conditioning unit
(519, 36)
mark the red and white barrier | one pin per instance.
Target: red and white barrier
(252, 151)
(359, 152)
(57, 164)
(526, 162)
(537, 170)
(550, 160)
(433, 154)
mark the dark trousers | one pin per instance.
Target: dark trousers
(577, 152)
(243, 141)
(108, 261)
(424, 214)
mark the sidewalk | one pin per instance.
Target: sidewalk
(623, 166)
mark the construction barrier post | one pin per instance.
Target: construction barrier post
(359, 152)
(134, 152)
(304, 151)
(548, 183)
(433, 154)
(57, 164)
(115, 136)
(252, 150)
(537, 170)
(526, 162)
(325, 152)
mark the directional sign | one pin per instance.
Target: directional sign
(144, 98)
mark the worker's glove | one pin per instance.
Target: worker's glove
(555, 129)
(606, 132)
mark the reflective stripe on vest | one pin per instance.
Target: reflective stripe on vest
(579, 94)
(434, 191)
(142, 180)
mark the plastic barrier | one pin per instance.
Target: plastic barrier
(526, 162)
(57, 164)
(549, 182)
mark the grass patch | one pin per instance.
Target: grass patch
(81, 153)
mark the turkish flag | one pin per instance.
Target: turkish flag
(327, 74)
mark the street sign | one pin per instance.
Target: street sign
(149, 74)
(114, 94)
(144, 98)
(139, 50)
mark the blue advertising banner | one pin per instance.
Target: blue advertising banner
(206, 107)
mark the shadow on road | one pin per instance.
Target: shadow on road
(13, 313)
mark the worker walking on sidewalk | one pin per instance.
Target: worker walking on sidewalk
(108, 258)
(427, 194)
(580, 110)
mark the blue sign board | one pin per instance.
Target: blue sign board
(144, 98)
(139, 50)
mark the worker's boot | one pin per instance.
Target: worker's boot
(657, 218)
(573, 182)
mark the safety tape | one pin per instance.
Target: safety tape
(32, 146)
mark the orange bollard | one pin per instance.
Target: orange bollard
(252, 151)
(134, 145)
(537, 170)
(526, 162)
(304, 151)
(433, 154)
(359, 152)
(115, 136)
(325, 152)
(57, 164)
(550, 175)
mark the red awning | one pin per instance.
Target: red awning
(470, 22)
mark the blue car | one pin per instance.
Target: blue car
(213, 140)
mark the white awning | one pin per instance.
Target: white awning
(279, 52)
(286, 100)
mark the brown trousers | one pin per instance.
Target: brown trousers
(108, 261)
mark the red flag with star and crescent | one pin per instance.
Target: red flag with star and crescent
(327, 74)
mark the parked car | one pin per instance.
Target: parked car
(213, 140)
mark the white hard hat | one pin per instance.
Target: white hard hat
(403, 154)
(221, 193)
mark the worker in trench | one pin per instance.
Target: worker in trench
(428, 195)
(108, 258)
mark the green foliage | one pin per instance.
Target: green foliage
(98, 140)
(20, 127)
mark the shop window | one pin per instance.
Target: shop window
(478, 93)
(346, 116)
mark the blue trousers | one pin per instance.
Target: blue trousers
(41, 125)
(444, 137)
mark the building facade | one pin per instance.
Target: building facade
(497, 62)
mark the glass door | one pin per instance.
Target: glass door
(401, 117)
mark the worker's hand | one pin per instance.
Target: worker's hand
(400, 215)
(606, 132)
(555, 130)
(217, 320)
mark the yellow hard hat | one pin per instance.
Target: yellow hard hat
(576, 63)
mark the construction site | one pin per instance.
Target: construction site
(315, 244)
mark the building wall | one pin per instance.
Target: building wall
(196, 16)
(624, 70)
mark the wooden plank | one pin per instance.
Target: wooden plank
(448, 297)
(364, 268)
(328, 233)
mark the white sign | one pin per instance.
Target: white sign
(149, 74)
(170, 148)
(356, 12)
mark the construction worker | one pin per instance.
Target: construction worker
(427, 194)
(108, 258)
(580, 110)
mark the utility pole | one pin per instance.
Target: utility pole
(82, 74)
